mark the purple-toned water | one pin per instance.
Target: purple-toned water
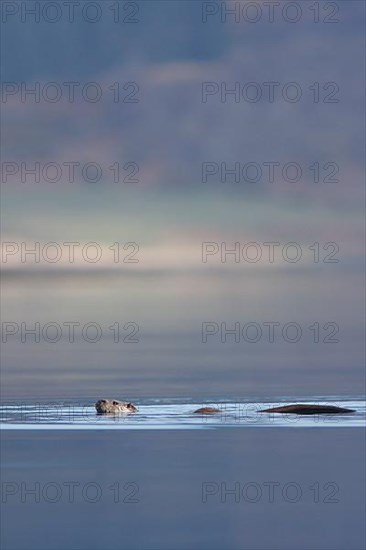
(275, 488)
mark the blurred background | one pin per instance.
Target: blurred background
(150, 136)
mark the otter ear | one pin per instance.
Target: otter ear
(115, 402)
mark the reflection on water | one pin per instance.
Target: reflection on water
(170, 293)
(160, 350)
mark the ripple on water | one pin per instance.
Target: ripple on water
(165, 414)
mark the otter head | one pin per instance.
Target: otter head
(101, 405)
(104, 406)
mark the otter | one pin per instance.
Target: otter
(105, 406)
(308, 409)
(207, 410)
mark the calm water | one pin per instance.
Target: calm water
(179, 489)
(166, 355)
(162, 479)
